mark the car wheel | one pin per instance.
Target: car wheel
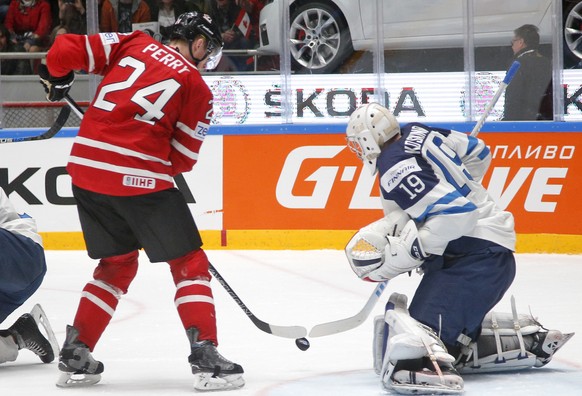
(320, 39)
(573, 31)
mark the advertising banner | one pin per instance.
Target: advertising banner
(314, 182)
(421, 97)
(34, 176)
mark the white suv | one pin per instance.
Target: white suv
(324, 33)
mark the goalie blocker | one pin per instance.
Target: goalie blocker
(411, 359)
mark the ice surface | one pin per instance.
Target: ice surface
(145, 348)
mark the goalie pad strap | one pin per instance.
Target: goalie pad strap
(506, 331)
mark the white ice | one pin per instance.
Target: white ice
(145, 348)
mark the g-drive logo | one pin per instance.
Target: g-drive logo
(324, 177)
(539, 184)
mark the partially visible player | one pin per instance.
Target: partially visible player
(22, 269)
(146, 124)
(439, 221)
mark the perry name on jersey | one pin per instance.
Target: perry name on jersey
(149, 117)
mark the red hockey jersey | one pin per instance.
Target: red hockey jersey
(149, 116)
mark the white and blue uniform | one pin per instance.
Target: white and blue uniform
(22, 260)
(434, 175)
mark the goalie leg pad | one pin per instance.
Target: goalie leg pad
(509, 342)
(416, 361)
(379, 343)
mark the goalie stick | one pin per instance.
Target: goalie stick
(279, 331)
(339, 326)
(54, 129)
(508, 77)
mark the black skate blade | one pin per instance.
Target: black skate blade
(73, 380)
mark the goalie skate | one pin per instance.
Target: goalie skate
(425, 382)
(547, 344)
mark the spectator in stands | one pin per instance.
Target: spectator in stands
(167, 12)
(119, 15)
(235, 26)
(4, 5)
(29, 23)
(59, 29)
(198, 6)
(10, 67)
(72, 16)
(529, 96)
(253, 8)
(107, 19)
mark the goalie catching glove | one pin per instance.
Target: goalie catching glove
(56, 88)
(375, 256)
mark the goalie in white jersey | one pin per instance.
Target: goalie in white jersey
(440, 221)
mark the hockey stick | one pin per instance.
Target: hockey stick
(508, 77)
(339, 326)
(279, 331)
(54, 129)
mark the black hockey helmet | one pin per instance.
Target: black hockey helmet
(191, 25)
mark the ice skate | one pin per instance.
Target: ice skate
(545, 344)
(420, 378)
(78, 367)
(27, 335)
(211, 370)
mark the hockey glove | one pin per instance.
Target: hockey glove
(365, 251)
(56, 88)
(401, 254)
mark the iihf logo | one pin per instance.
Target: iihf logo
(232, 103)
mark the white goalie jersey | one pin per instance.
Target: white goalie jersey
(435, 175)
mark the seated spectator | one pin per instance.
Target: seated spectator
(29, 23)
(11, 67)
(72, 16)
(234, 23)
(119, 15)
(167, 12)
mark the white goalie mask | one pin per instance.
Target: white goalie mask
(370, 126)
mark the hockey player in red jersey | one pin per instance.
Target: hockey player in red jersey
(145, 125)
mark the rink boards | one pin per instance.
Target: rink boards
(299, 187)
